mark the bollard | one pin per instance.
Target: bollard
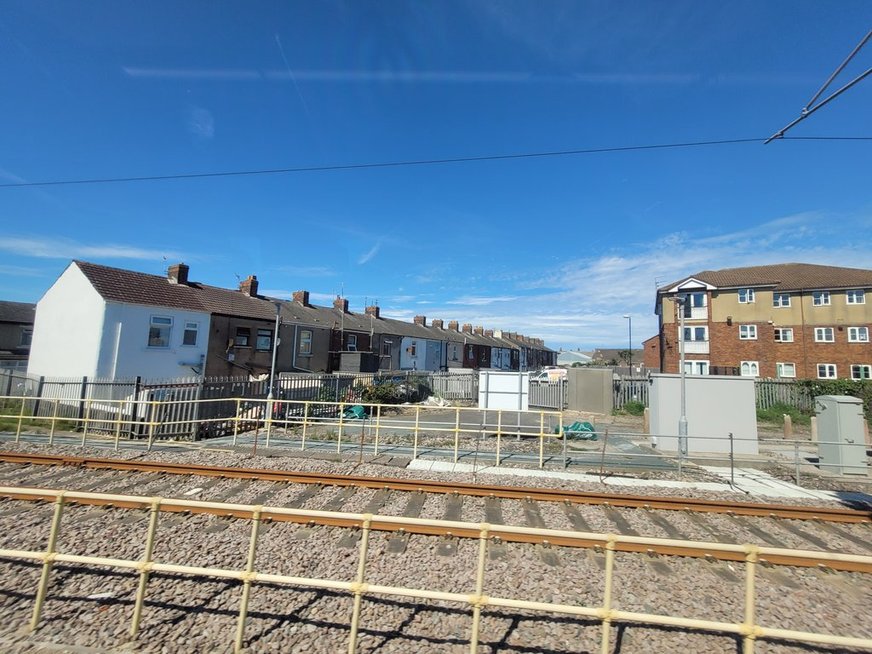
(788, 426)
(646, 421)
(814, 429)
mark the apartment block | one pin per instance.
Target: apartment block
(791, 320)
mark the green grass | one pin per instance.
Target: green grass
(775, 415)
(631, 409)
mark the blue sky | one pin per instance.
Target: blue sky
(559, 248)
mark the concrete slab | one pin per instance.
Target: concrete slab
(759, 483)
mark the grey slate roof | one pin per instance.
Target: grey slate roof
(18, 312)
(784, 277)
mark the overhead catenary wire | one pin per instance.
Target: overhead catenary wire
(414, 162)
(810, 107)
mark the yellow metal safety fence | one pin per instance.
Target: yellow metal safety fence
(477, 599)
(263, 418)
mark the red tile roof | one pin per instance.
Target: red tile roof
(784, 277)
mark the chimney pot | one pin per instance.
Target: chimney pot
(373, 311)
(421, 320)
(341, 304)
(437, 323)
(302, 297)
(467, 328)
(249, 286)
(452, 324)
(178, 273)
(479, 331)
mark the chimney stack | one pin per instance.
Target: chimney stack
(341, 304)
(437, 323)
(178, 273)
(452, 324)
(421, 320)
(373, 311)
(479, 331)
(302, 297)
(249, 286)
(467, 328)
(489, 333)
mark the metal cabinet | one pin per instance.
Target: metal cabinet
(841, 439)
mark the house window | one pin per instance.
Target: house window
(243, 337)
(159, 331)
(855, 297)
(264, 339)
(785, 370)
(190, 335)
(26, 337)
(693, 301)
(826, 371)
(861, 371)
(386, 348)
(352, 343)
(781, 299)
(750, 369)
(696, 334)
(412, 349)
(306, 341)
(695, 367)
(783, 335)
(820, 298)
(746, 296)
(858, 334)
(748, 332)
(824, 335)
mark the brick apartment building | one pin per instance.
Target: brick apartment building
(790, 320)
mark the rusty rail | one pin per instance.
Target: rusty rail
(821, 513)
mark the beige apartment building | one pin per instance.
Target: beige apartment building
(791, 320)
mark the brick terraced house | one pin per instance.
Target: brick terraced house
(790, 320)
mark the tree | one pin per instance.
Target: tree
(626, 356)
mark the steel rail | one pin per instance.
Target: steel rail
(650, 502)
(453, 529)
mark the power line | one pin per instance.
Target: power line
(414, 162)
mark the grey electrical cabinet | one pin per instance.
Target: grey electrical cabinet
(841, 440)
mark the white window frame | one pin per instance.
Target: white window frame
(781, 332)
(855, 296)
(858, 334)
(352, 343)
(305, 346)
(781, 300)
(160, 322)
(753, 368)
(693, 330)
(747, 332)
(191, 327)
(820, 334)
(821, 298)
(830, 369)
(746, 295)
(861, 371)
(780, 369)
(696, 367)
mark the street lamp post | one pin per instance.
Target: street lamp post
(629, 341)
(681, 303)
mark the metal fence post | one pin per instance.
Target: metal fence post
(750, 573)
(732, 463)
(54, 417)
(246, 580)
(796, 459)
(145, 567)
(48, 561)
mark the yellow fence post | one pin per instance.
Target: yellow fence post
(151, 424)
(499, 433)
(359, 585)
(87, 421)
(415, 437)
(341, 419)
(117, 425)
(236, 422)
(20, 419)
(270, 407)
(246, 580)
(305, 424)
(42, 589)
(54, 418)
(541, 439)
(607, 593)
(750, 636)
(377, 426)
(456, 432)
(145, 567)
(478, 597)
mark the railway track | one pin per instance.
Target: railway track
(529, 538)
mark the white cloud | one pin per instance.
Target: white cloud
(59, 248)
(201, 123)
(368, 256)
(481, 300)
(306, 271)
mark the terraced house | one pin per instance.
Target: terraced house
(790, 320)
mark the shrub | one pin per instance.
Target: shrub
(634, 408)
(775, 414)
(855, 388)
